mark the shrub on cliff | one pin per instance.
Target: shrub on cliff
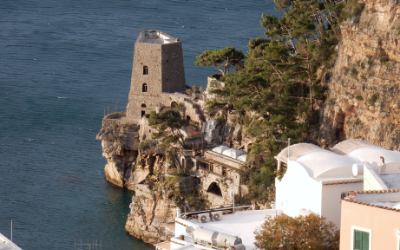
(352, 9)
(373, 99)
(168, 122)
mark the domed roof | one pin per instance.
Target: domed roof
(297, 150)
(220, 149)
(322, 163)
(242, 158)
(348, 146)
(233, 153)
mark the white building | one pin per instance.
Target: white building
(317, 179)
(6, 244)
(229, 231)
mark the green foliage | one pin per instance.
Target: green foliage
(383, 58)
(373, 99)
(222, 58)
(352, 9)
(359, 98)
(303, 232)
(194, 90)
(354, 72)
(148, 146)
(274, 93)
(168, 122)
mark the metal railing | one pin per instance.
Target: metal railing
(228, 209)
(115, 108)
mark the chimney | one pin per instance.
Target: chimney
(382, 166)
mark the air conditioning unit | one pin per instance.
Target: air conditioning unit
(203, 217)
(216, 216)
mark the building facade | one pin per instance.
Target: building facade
(370, 220)
(317, 179)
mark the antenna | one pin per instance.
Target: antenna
(288, 149)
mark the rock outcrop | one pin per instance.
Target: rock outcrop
(159, 187)
(149, 215)
(153, 207)
(119, 145)
(365, 82)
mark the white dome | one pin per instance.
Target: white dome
(220, 149)
(242, 158)
(233, 153)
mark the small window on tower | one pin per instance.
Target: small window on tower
(144, 87)
(145, 70)
(143, 105)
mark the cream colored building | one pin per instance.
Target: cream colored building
(371, 220)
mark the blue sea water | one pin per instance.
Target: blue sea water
(52, 182)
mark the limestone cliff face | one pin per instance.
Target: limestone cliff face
(364, 87)
(126, 165)
(118, 143)
(149, 213)
(154, 206)
(139, 168)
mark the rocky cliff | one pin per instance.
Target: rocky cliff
(364, 85)
(153, 208)
(159, 186)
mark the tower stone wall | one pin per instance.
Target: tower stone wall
(157, 72)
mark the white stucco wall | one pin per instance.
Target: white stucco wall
(371, 180)
(331, 200)
(297, 190)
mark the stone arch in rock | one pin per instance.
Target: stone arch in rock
(214, 189)
(174, 104)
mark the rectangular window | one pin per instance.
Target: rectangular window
(361, 240)
(223, 171)
(344, 195)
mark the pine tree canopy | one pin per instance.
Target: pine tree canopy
(275, 90)
(222, 58)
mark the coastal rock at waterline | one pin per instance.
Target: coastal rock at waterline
(148, 215)
(119, 148)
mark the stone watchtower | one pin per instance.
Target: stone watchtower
(157, 70)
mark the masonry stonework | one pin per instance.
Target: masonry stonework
(157, 72)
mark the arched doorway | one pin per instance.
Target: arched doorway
(214, 189)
